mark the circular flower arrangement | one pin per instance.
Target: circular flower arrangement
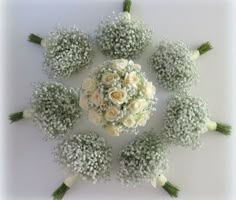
(67, 51)
(118, 97)
(54, 107)
(123, 36)
(174, 64)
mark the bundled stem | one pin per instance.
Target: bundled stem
(205, 47)
(223, 128)
(171, 189)
(16, 116)
(127, 6)
(35, 39)
(59, 193)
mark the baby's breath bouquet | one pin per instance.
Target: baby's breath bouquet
(186, 119)
(123, 36)
(54, 107)
(174, 64)
(144, 160)
(67, 51)
(87, 156)
(118, 97)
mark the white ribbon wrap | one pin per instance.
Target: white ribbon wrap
(195, 55)
(43, 43)
(28, 113)
(162, 180)
(70, 180)
(211, 125)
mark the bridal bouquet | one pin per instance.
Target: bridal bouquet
(118, 96)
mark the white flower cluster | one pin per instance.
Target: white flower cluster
(174, 67)
(118, 96)
(55, 108)
(87, 155)
(142, 160)
(123, 37)
(185, 120)
(67, 51)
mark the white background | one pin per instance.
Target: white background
(28, 171)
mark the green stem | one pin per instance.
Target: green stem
(171, 189)
(127, 6)
(35, 39)
(16, 116)
(205, 47)
(223, 128)
(59, 193)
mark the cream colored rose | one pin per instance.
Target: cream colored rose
(137, 67)
(97, 98)
(129, 121)
(109, 78)
(149, 90)
(113, 130)
(143, 118)
(95, 117)
(112, 114)
(120, 64)
(117, 95)
(131, 79)
(83, 102)
(137, 106)
(89, 85)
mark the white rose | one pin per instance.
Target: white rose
(89, 85)
(95, 117)
(129, 121)
(83, 102)
(97, 98)
(120, 64)
(137, 67)
(112, 113)
(137, 106)
(132, 79)
(117, 95)
(143, 118)
(149, 90)
(113, 130)
(109, 78)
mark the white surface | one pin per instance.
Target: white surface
(205, 174)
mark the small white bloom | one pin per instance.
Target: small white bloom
(132, 79)
(113, 130)
(137, 105)
(95, 117)
(149, 90)
(108, 78)
(143, 118)
(89, 85)
(117, 96)
(120, 64)
(97, 98)
(129, 121)
(112, 113)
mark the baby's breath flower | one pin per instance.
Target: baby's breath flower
(87, 155)
(123, 36)
(143, 159)
(54, 107)
(174, 64)
(67, 51)
(186, 119)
